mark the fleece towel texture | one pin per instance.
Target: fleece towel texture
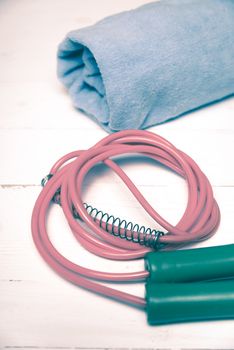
(145, 66)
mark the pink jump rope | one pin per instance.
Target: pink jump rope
(66, 177)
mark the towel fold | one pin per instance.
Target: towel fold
(145, 66)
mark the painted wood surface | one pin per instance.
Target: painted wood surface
(38, 309)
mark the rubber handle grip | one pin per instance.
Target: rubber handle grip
(183, 302)
(191, 265)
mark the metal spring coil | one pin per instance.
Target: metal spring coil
(125, 229)
(116, 226)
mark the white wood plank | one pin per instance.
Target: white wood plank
(27, 155)
(28, 49)
(38, 124)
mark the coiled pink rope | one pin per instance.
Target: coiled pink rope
(198, 222)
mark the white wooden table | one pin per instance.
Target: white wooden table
(38, 309)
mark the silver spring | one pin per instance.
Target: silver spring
(116, 226)
(125, 229)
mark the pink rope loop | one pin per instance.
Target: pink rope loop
(199, 221)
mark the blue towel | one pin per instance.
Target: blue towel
(145, 66)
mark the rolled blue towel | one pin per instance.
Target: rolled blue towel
(145, 66)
